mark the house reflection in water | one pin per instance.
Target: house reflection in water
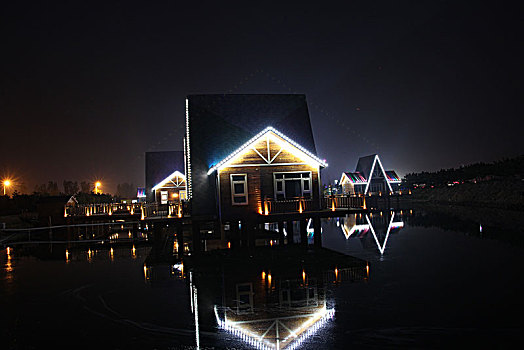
(359, 226)
(268, 308)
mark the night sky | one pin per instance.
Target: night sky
(87, 88)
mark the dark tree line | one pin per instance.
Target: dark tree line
(69, 188)
(507, 168)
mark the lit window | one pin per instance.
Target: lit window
(239, 189)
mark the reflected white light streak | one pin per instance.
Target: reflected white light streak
(300, 334)
(369, 226)
(383, 247)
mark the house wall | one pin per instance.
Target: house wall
(260, 183)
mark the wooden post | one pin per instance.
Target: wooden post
(290, 232)
(303, 232)
(317, 234)
(281, 236)
(197, 240)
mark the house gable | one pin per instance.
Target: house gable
(175, 180)
(269, 148)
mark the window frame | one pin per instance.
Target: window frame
(237, 195)
(302, 179)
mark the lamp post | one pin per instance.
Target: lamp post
(6, 184)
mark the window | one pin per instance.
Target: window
(292, 185)
(183, 195)
(163, 197)
(239, 189)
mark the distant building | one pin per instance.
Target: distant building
(52, 210)
(370, 177)
(243, 151)
(165, 178)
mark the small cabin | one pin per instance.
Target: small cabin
(52, 210)
(250, 155)
(165, 177)
(171, 189)
(370, 178)
(269, 173)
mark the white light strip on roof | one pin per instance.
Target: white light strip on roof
(166, 180)
(256, 138)
(371, 173)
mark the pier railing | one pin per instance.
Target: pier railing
(272, 206)
(141, 210)
(343, 201)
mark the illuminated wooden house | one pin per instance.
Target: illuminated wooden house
(165, 179)
(250, 155)
(370, 177)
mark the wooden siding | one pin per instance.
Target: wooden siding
(260, 178)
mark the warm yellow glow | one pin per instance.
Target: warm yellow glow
(8, 252)
(89, 254)
(367, 269)
(260, 210)
(263, 275)
(142, 216)
(333, 206)
(228, 245)
(364, 203)
(7, 183)
(271, 242)
(97, 185)
(304, 276)
(67, 255)
(175, 195)
(111, 253)
(336, 273)
(409, 191)
(65, 212)
(300, 209)
(133, 252)
(269, 279)
(266, 208)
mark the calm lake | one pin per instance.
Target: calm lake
(427, 279)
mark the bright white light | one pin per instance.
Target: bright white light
(371, 173)
(300, 334)
(303, 153)
(167, 179)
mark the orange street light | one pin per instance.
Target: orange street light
(97, 185)
(6, 184)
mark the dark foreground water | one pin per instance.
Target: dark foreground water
(427, 287)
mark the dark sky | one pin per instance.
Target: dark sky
(87, 88)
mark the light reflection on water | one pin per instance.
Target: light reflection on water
(279, 306)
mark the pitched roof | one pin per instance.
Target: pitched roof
(220, 124)
(392, 176)
(356, 178)
(269, 130)
(365, 164)
(160, 165)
